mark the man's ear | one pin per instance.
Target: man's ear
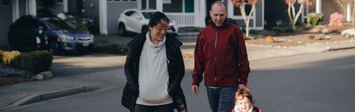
(211, 13)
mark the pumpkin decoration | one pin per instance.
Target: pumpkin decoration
(269, 39)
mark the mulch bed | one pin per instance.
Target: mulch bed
(298, 39)
(13, 80)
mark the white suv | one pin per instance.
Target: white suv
(136, 21)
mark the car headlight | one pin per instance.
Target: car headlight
(66, 37)
(92, 36)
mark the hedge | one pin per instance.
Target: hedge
(34, 61)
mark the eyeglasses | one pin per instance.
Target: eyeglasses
(161, 28)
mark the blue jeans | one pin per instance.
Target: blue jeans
(221, 99)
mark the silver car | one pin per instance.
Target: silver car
(136, 21)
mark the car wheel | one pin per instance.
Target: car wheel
(122, 30)
(84, 51)
(144, 28)
(15, 44)
(54, 47)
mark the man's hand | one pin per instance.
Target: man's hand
(240, 86)
(194, 89)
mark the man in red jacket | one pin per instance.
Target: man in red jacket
(221, 55)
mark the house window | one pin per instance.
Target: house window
(5, 3)
(247, 8)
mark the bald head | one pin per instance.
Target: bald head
(218, 13)
(219, 3)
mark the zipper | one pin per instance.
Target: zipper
(215, 58)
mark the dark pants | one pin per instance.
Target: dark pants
(221, 99)
(160, 108)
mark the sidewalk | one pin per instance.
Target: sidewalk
(34, 91)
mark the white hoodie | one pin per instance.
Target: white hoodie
(153, 73)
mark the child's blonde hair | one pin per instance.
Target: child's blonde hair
(244, 92)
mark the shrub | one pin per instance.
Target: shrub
(315, 18)
(278, 30)
(289, 30)
(243, 30)
(104, 46)
(252, 31)
(7, 56)
(81, 26)
(336, 19)
(1, 55)
(37, 61)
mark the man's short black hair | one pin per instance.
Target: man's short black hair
(156, 18)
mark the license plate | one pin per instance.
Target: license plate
(85, 44)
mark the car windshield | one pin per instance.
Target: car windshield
(147, 14)
(58, 24)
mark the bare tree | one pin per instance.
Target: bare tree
(292, 15)
(240, 4)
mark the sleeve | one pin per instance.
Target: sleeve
(129, 72)
(199, 63)
(179, 74)
(244, 69)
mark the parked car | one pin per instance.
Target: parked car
(71, 17)
(136, 21)
(53, 34)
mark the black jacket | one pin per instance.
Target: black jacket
(176, 70)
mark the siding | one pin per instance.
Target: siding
(72, 5)
(92, 13)
(175, 6)
(259, 14)
(5, 23)
(114, 9)
(328, 11)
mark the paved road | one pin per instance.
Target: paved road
(312, 82)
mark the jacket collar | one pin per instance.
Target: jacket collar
(138, 41)
(224, 25)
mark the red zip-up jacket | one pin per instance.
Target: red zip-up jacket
(220, 54)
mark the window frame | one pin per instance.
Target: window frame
(231, 12)
(6, 5)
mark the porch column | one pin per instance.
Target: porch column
(202, 13)
(103, 17)
(159, 5)
(32, 7)
(65, 5)
(196, 12)
(319, 6)
(139, 4)
(348, 13)
(15, 10)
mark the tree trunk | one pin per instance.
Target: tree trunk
(295, 19)
(79, 12)
(289, 12)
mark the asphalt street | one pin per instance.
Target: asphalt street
(311, 82)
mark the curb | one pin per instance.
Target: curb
(50, 95)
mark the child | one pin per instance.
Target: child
(244, 101)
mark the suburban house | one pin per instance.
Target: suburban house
(187, 13)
